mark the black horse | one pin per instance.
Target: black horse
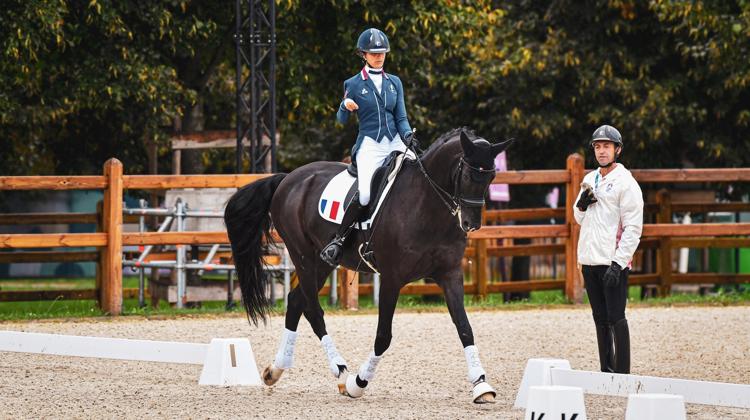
(430, 208)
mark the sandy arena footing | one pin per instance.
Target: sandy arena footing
(423, 374)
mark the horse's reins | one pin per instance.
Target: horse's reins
(454, 201)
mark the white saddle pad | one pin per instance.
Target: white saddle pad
(331, 202)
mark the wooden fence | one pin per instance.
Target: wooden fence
(661, 235)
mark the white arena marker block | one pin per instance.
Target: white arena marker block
(555, 402)
(230, 361)
(655, 407)
(537, 373)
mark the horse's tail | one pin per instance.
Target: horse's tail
(247, 220)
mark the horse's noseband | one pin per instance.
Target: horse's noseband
(475, 173)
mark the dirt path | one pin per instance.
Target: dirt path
(422, 376)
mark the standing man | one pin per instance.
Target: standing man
(609, 209)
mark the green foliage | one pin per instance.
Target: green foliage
(84, 81)
(562, 68)
(671, 75)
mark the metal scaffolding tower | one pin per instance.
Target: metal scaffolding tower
(255, 45)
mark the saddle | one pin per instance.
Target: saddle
(341, 190)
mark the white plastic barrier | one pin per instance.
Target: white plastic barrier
(558, 372)
(225, 361)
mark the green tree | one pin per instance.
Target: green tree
(83, 81)
(673, 84)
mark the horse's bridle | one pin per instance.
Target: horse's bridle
(455, 201)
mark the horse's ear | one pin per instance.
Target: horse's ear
(467, 144)
(500, 147)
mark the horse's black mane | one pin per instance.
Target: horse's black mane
(444, 138)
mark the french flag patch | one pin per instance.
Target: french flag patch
(331, 202)
(331, 210)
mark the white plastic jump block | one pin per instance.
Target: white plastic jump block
(230, 361)
(655, 407)
(558, 372)
(555, 402)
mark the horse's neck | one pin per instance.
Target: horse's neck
(440, 163)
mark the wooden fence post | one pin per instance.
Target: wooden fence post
(573, 279)
(349, 281)
(111, 256)
(482, 267)
(101, 251)
(664, 256)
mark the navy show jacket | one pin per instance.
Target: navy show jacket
(381, 114)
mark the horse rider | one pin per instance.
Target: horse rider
(378, 99)
(609, 209)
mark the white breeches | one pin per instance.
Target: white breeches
(370, 157)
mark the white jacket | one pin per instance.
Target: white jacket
(610, 228)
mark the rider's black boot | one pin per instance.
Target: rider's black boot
(606, 352)
(621, 334)
(332, 252)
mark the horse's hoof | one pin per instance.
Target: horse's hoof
(271, 374)
(342, 382)
(352, 389)
(483, 393)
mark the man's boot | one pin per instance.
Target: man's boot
(606, 353)
(332, 252)
(621, 334)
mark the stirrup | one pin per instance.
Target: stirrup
(333, 251)
(368, 256)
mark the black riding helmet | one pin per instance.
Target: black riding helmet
(606, 133)
(373, 41)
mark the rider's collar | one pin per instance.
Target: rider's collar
(365, 73)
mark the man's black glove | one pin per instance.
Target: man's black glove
(587, 198)
(612, 276)
(410, 140)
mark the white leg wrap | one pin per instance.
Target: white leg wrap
(285, 355)
(473, 363)
(334, 358)
(367, 370)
